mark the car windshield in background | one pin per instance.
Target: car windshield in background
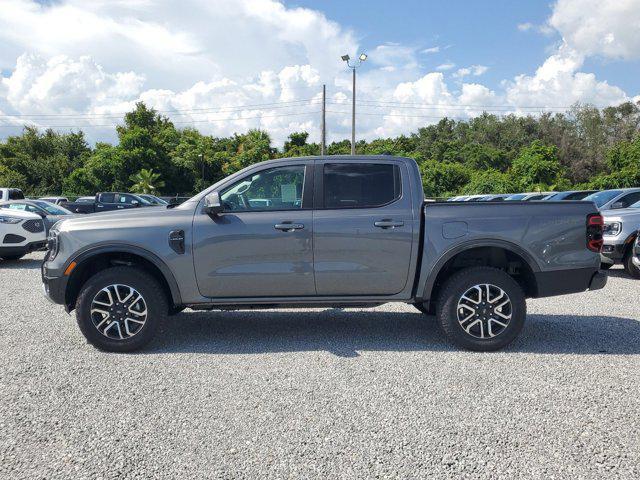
(51, 208)
(600, 198)
(85, 200)
(517, 196)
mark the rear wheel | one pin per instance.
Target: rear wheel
(481, 308)
(629, 267)
(120, 309)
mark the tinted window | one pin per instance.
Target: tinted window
(360, 185)
(108, 198)
(600, 198)
(52, 209)
(536, 197)
(630, 199)
(278, 188)
(517, 196)
(15, 194)
(576, 196)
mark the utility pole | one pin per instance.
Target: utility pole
(361, 58)
(202, 162)
(323, 134)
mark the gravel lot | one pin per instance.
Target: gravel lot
(321, 394)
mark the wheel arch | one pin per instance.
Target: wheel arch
(91, 261)
(494, 253)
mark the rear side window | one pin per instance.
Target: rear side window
(360, 185)
(15, 194)
(108, 198)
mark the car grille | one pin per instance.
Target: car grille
(33, 226)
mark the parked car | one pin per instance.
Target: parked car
(10, 194)
(106, 201)
(152, 199)
(499, 197)
(20, 233)
(614, 199)
(620, 232)
(54, 200)
(569, 195)
(49, 212)
(526, 197)
(359, 234)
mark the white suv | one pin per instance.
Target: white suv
(20, 233)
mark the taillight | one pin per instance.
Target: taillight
(595, 225)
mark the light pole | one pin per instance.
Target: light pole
(361, 58)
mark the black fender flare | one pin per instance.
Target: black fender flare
(471, 244)
(134, 250)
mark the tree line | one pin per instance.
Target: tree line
(585, 147)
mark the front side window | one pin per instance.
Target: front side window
(18, 206)
(630, 199)
(360, 185)
(278, 188)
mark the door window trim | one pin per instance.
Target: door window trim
(319, 184)
(307, 188)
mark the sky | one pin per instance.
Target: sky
(226, 66)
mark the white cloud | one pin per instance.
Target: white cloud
(525, 27)
(223, 66)
(475, 70)
(445, 66)
(610, 28)
(435, 49)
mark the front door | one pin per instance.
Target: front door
(362, 227)
(261, 246)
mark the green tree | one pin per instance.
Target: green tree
(443, 179)
(537, 165)
(146, 181)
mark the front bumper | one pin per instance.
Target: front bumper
(612, 253)
(54, 287)
(22, 249)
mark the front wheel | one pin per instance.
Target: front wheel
(629, 266)
(120, 309)
(481, 308)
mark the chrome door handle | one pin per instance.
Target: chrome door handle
(387, 223)
(288, 226)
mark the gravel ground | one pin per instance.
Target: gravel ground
(321, 393)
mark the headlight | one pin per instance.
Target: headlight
(53, 244)
(10, 219)
(612, 228)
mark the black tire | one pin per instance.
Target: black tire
(629, 267)
(11, 258)
(606, 266)
(453, 290)
(156, 307)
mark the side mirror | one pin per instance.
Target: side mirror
(616, 205)
(135, 203)
(212, 204)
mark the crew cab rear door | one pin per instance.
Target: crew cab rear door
(362, 227)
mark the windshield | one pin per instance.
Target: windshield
(600, 198)
(517, 196)
(153, 199)
(51, 208)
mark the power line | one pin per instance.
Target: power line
(232, 119)
(272, 105)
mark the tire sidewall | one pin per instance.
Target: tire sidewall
(457, 285)
(144, 284)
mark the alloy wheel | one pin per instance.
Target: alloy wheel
(118, 311)
(484, 311)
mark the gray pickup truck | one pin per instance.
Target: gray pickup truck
(322, 232)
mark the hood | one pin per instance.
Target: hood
(111, 220)
(621, 212)
(10, 212)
